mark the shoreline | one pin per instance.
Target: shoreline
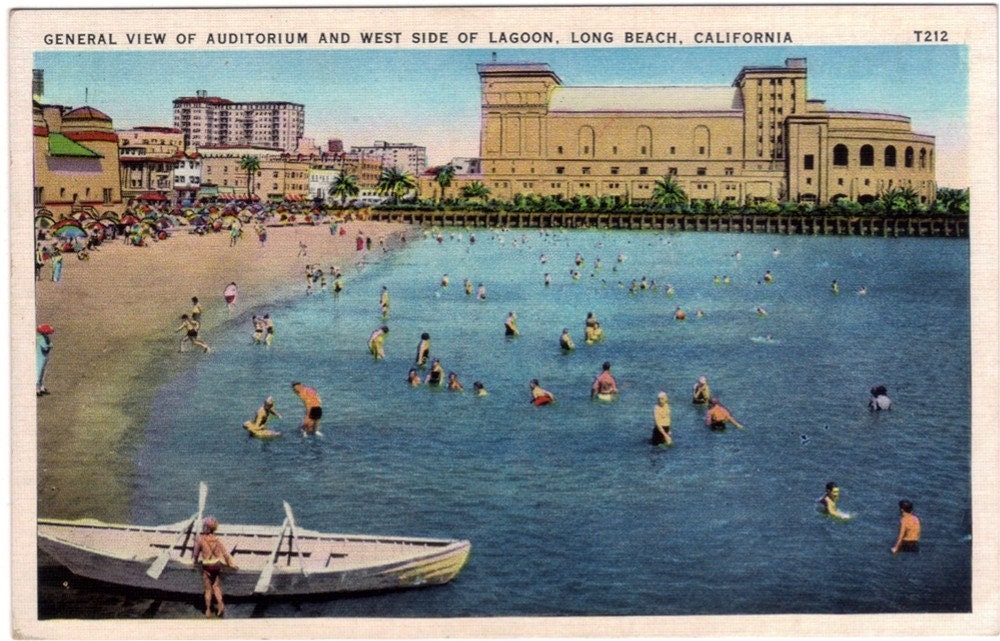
(115, 344)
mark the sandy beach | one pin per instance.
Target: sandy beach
(115, 343)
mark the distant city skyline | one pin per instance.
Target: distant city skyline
(432, 97)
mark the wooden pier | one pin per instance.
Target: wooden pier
(751, 224)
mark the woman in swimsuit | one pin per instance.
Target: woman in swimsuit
(213, 555)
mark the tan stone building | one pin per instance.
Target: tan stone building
(760, 138)
(279, 177)
(149, 157)
(75, 160)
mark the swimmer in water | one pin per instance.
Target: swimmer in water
(909, 529)
(481, 294)
(510, 325)
(444, 280)
(835, 287)
(548, 279)
(699, 314)
(670, 290)
(376, 342)
(453, 384)
(468, 287)
(718, 416)
(565, 341)
(593, 333)
(413, 378)
(768, 277)
(539, 396)
(701, 394)
(423, 349)
(383, 301)
(479, 390)
(435, 377)
(679, 314)
(862, 291)
(828, 502)
(761, 312)
(257, 427)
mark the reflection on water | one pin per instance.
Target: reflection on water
(569, 509)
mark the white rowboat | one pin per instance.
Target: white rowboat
(284, 561)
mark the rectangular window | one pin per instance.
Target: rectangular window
(560, 170)
(701, 151)
(585, 171)
(671, 171)
(728, 171)
(702, 171)
(809, 181)
(559, 149)
(808, 162)
(107, 196)
(614, 150)
(673, 150)
(614, 171)
(840, 181)
(729, 151)
(643, 171)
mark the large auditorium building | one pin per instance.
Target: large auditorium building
(761, 138)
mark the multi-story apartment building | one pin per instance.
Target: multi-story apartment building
(187, 176)
(75, 159)
(149, 157)
(213, 121)
(279, 177)
(402, 156)
(760, 138)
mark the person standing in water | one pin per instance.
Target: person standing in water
(565, 341)
(605, 385)
(383, 301)
(510, 325)
(701, 394)
(539, 396)
(195, 309)
(661, 421)
(909, 529)
(423, 349)
(230, 294)
(313, 406)
(435, 377)
(376, 342)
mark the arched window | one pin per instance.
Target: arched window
(908, 157)
(644, 141)
(586, 141)
(923, 159)
(702, 140)
(840, 155)
(890, 156)
(867, 155)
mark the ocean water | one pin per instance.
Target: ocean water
(569, 509)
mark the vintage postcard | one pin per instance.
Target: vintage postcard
(520, 321)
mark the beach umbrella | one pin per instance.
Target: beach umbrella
(198, 221)
(65, 222)
(228, 220)
(43, 222)
(129, 219)
(82, 216)
(69, 231)
(110, 215)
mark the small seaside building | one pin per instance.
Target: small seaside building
(75, 160)
(149, 158)
(760, 138)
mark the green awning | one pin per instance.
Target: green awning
(60, 145)
(207, 192)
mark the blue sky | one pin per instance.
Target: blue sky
(431, 97)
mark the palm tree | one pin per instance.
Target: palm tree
(394, 183)
(475, 189)
(344, 186)
(251, 165)
(952, 201)
(900, 201)
(667, 192)
(444, 177)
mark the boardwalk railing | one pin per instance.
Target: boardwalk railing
(752, 224)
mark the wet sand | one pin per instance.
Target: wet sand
(115, 343)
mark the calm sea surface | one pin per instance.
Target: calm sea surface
(569, 509)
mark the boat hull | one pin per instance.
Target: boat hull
(317, 564)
